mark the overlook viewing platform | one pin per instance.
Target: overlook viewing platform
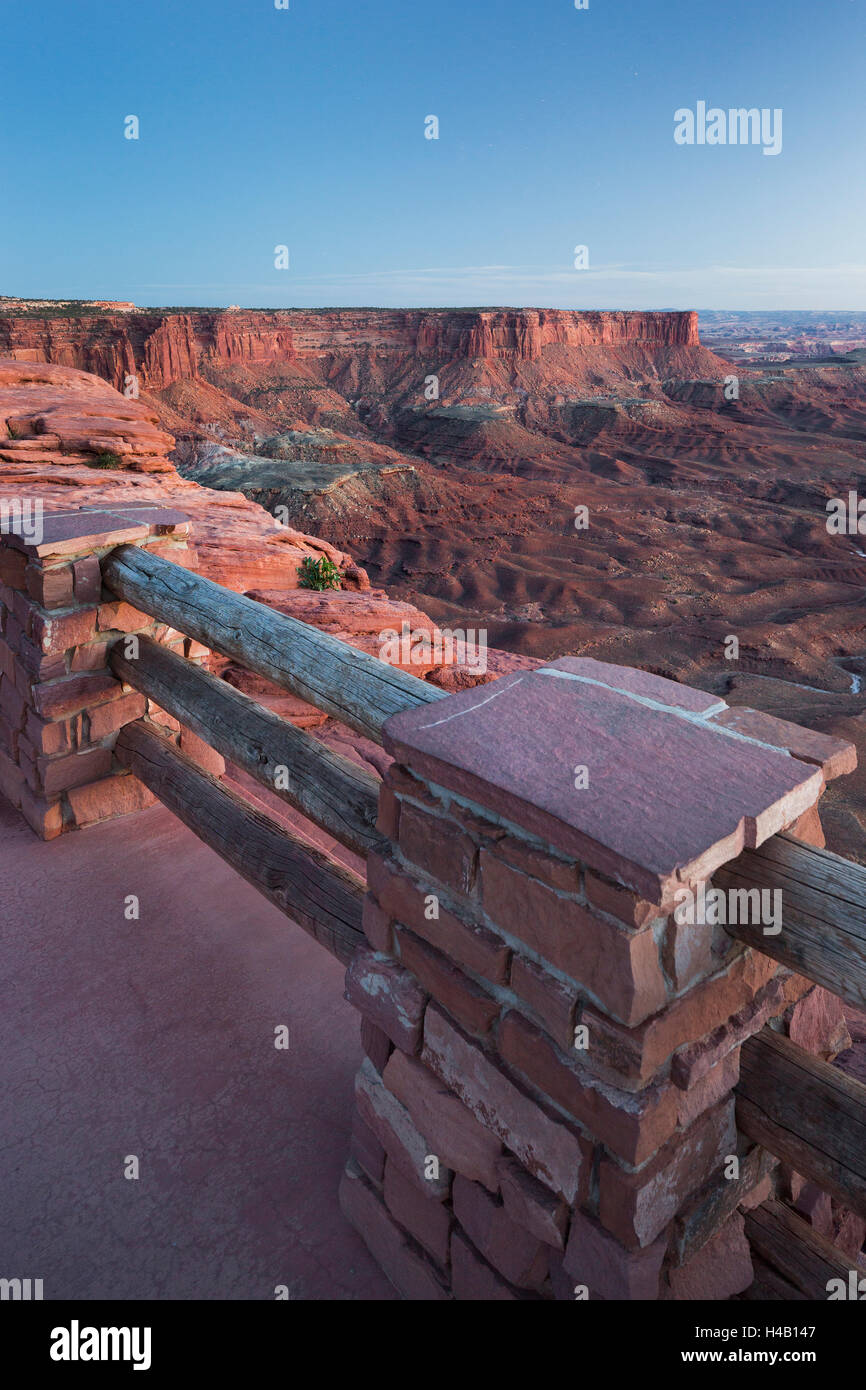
(576, 1080)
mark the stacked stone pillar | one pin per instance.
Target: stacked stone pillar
(545, 1108)
(61, 707)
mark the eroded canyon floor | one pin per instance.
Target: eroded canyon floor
(588, 484)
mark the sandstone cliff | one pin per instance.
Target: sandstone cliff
(162, 347)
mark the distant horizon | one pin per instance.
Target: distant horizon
(430, 308)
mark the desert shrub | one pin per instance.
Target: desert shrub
(106, 459)
(318, 574)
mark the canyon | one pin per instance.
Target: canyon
(445, 456)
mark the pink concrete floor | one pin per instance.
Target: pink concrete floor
(156, 1038)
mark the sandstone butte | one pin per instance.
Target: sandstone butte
(73, 441)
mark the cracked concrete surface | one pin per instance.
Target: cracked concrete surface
(155, 1038)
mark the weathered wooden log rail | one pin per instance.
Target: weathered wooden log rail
(320, 895)
(806, 1112)
(791, 1105)
(356, 688)
(823, 928)
(336, 793)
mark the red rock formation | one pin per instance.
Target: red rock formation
(166, 347)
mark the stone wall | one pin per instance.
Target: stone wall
(545, 1108)
(60, 705)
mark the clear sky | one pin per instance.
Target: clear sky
(305, 127)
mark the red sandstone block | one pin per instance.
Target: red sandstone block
(23, 609)
(552, 1001)
(194, 651)
(377, 926)
(453, 1133)
(636, 1206)
(632, 1126)
(122, 617)
(547, 1147)
(73, 769)
(87, 580)
(531, 1205)
(91, 657)
(12, 631)
(71, 532)
(46, 738)
(692, 1063)
(472, 1007)
(687, 953)
(106, 719)
(55, 632)
(377, 1045)
(52, 588)
(8, 738)
(719, 1270)
(392, 1125)
(515, 1253)
(207, 758)
(69, 694)
(539, 862)
(43, 816)
(439, 848)
(28, 767)
(636, 1054)
(367, 1151)
(11, 780)
(834, 755)
(814, 1205)
(712, 1088)
(596, 1259)
(619, 968)
(13, 568)
(161, 717)
(410, 1272)
(817, 1024)
(11, 703)
(429, 1222)
(388, 819)
(387, 994)
(627, 907)
(809, 829)
(472, 1279)
(544, 723)
(113, 796)
(464, 942)
(403, 784)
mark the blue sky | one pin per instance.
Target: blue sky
(305, 127)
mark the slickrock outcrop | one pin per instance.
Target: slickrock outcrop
(74, 420)
(53, 415)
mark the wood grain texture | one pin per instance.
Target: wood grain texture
(716, 1202)
(344, 682)
(338, 795)
(823, 900)
(320, 895)
(807, 1112)
(789, 1245)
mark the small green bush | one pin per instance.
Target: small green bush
(318, 574)
(106, 459)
